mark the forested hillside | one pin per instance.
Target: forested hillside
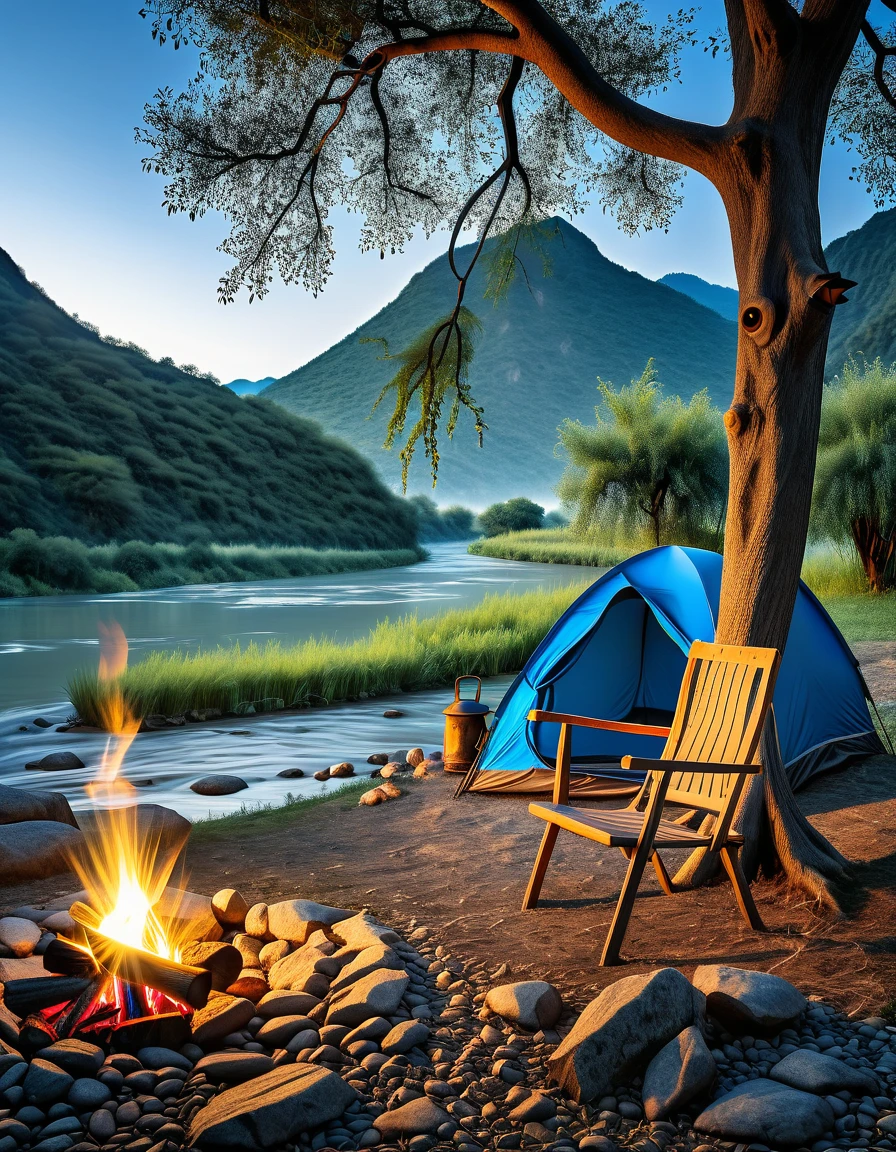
(100, 442)
(537, 362)
(867, 324)
(716, 296)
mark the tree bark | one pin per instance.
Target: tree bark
(876, 552)
(768, 180)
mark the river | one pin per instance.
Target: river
(44, 640)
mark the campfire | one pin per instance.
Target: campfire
(119, 980)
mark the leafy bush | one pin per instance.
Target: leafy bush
(436, 524)
(649, 461)
(855, 476)
(516, 515)
(31, 565)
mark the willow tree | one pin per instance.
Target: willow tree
(488, 113)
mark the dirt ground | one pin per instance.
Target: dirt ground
(460, 868)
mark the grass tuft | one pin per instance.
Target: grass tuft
(269, 817)
(495, 636)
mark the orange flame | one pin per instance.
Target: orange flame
(121, 872)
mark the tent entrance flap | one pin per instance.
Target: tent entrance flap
(625, 668)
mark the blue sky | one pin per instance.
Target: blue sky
(83, 220)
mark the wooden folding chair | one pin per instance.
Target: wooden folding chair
(710, 750)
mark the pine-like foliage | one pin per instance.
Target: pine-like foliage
(855, 477)
(649, 462)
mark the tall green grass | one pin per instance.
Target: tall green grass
(556, 546)
(495, 636)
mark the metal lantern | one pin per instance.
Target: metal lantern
(465, 728)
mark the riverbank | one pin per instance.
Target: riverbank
(494, 637)
(553, 546)
(32, 565)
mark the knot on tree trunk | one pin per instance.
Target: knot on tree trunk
(737, 419)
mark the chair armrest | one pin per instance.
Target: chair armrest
(590, 722)
(642, 764)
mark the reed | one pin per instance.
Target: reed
(490, 638)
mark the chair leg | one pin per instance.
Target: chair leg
(530, 900)
(742, 893)
(624, 907)
(662, 875)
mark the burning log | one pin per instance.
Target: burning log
(69, 959)
(180, 982)
(22, 997)
(34, 1034)
(164, 1030)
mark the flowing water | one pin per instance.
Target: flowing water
(43, 640)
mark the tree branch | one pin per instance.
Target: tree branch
(881, 52)
(536, 37)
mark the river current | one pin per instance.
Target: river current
(44, 640)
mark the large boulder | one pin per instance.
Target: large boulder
(295, 920)
(36, 849)
(377, 994)
(748, 1001)
(294, 970)
(681, 1070)
(622, 1029)
(271, 1110)
(218, 785)
(824, 1075)
(763, 1111)
(19, 935)
(533, 1004)
(23, 804)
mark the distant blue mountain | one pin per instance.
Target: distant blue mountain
(249, 387)
(715, 296)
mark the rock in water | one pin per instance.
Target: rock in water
(744, 1000)
(343, 769)
(415, 756)
(291, 773)
(764, 1112)
(824, 1075)
(622, 1029)
(272, 1109)
(218, 785)
(533, 1004)
(56, 762)
(392, 714)
(681, 1070)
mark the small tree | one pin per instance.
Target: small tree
(516, 515)
(650, 461)
(855, 476)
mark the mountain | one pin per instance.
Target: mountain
(537, 362)
(867, 324)
(98, 441)
(249, 387)
(715, 296)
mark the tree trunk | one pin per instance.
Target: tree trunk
(876, 552)
(769, 183)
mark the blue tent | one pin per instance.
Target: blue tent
(619, 653)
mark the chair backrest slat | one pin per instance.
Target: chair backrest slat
(725, 696)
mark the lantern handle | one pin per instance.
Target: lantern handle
(457, 686)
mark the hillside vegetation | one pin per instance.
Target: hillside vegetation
(100, 442)
(866, 326)
(31, 565)
(537, 362)
(716, 296)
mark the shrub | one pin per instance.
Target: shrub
(855, 477)
(435, 524)
(516, 515)
(649, 461)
